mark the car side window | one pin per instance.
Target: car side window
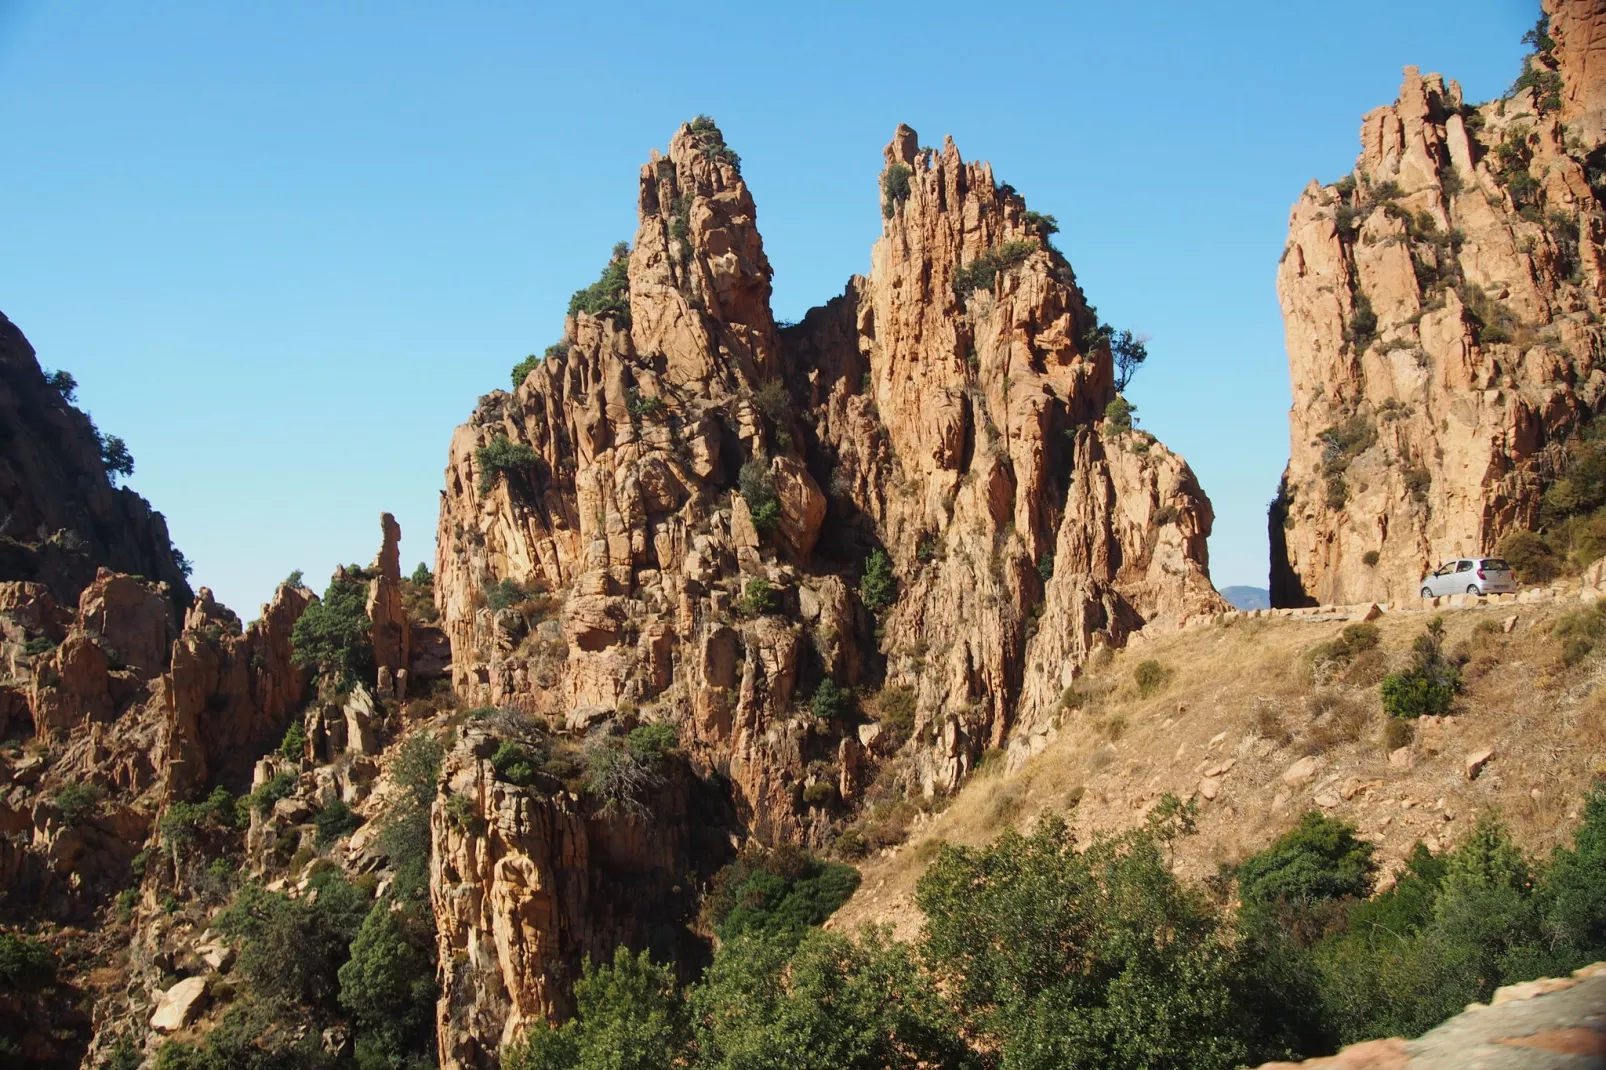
(1444, 570)
(1463, 566)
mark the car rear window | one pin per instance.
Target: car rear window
(1495, 564)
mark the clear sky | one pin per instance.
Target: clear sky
(284, 247)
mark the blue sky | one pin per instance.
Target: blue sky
(284, 247)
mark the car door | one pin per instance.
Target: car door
(1443, 576)
(1463, 578)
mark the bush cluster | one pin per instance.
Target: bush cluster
(894, 188)
(1429, 685)
(1118, 415)
(981, 272)
(502, 457)
(610, 295)
(757, 488)
(714, 147)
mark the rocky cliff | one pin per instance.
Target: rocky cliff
(688, 516)
(1442, 305)
(61, 517)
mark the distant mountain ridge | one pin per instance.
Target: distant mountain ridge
(1247, 597)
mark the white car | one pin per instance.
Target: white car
(1470, 575)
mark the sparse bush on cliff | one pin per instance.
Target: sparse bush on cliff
(1118, 416)
(894, 188)
(25, 964)
(653, 741)
(758, 599)
(714, 147)
(335, 821)
(333, 637)
(505, 593)
(981, 272)
(294, 744)
(1354, 640)
(1430, 685)
(618, 776)
(878, 588)
(38, 645)
(609, 296)
(388, 986)
(757, 488)
(1361, 330)
(501, 456)
(1043, 225)
(77, 802)
(831, 701)
(522, 370)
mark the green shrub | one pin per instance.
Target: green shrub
(1150, 676)
(653, 741)
(335, 821)
(1318, 859)
(1396, 733)
(279, 786)
(1530, 557)
(504, 594)
(1353, 640)
(878, 588)
(522, 370)
(609, 296)
(513, 763)
(1579, 631)
(1430, 685)
(502, 456)
(25, 964)
(1361, 331)
(38, 645)
(981, 272)
(1336, 495)
(644, 405)
(628, 1016)
(1044, 226)
(63, 383)
(388, 986)
(894, 188)
(294, 580)
(1370, 558)
(334, 637)
(820, 793)
(1417, 482)
(831, 702)
(757, 488)
(294, 744)
(780, 892)
(404, 833)
(77, 802)
(896, 708)
(1118, 415)
(1045, 565)
(758, 599)
(714, 147)
(292, 948)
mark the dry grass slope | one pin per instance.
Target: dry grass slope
(1244, 703)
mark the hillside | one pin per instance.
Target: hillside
(1251, 725)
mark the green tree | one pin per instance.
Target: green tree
(388, 985)
(831, 701)
(878, 588)
(1429, 685)
(114, 456)
(501, 456)
(609, 295)
(628, 1016)
(1118, 415)
(826, 1002)
(1128, 351)
(1318, 859)
(333, 637)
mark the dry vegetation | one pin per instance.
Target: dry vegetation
(1265, 693)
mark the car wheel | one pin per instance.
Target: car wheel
(1426, 593)
(1472, 588)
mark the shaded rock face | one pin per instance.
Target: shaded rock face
(1441, 307)
(610, 574)
(60, 516)
(1579, 30)
(527, 882)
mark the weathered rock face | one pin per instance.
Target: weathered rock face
(526, 883)
(965, 426)
(678, 456)
(1579, 30)
(392, 638)
(60, 516)
(1441, 306)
